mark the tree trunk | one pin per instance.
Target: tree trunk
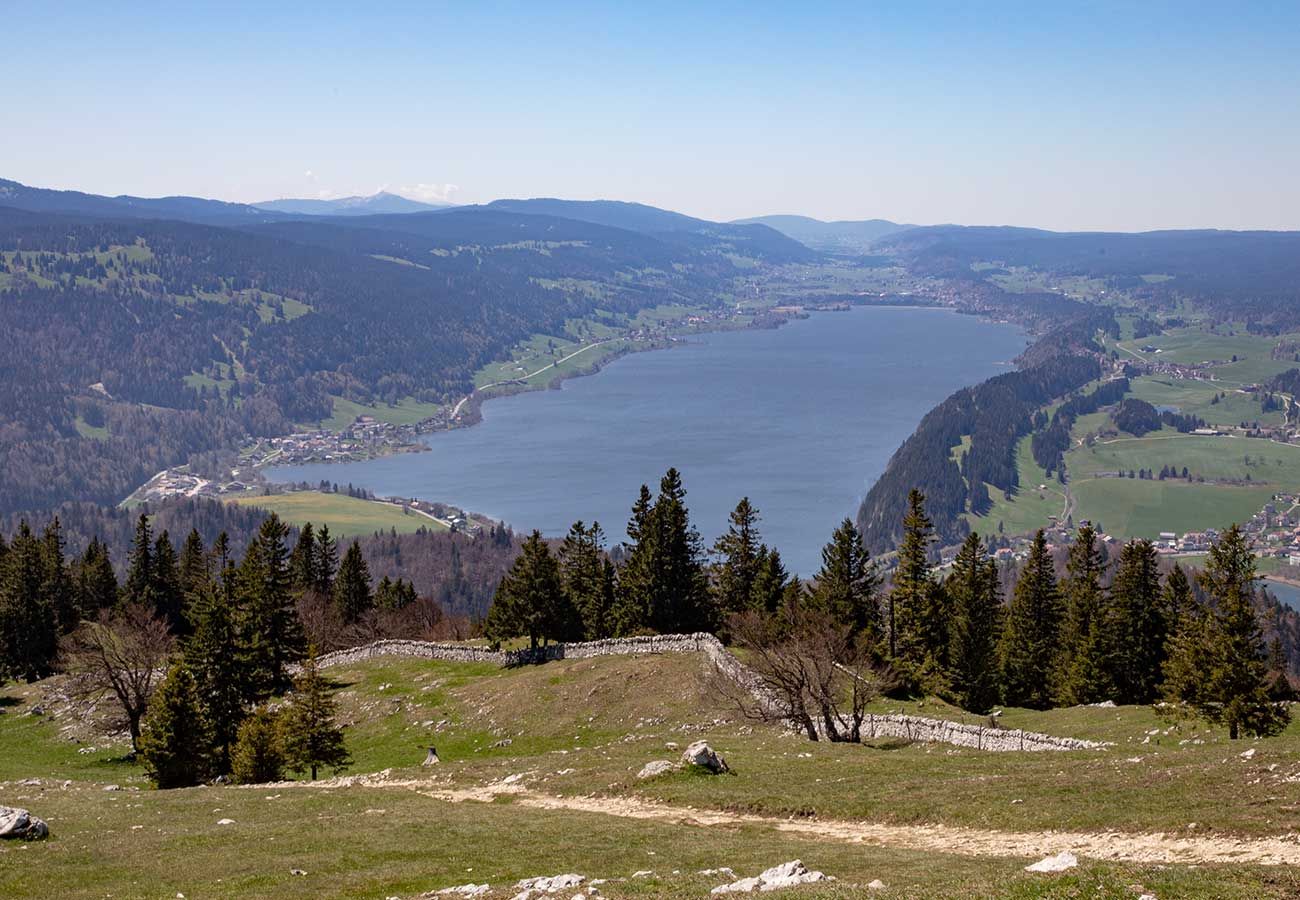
(133, 725)
(1232, 730)
(313, 773)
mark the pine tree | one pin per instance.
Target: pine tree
(738, 564)
(1030, 641)
(352, 597)
(1217, 669)
(977, 611)
(29, 627)
(271, 632)
(258, 756)
(1141, 624)
(311, 738)
(846, 586)
(530, 599)
(1083, 672)
(588, 578)
(176, 738)
(212, 655)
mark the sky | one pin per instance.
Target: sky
(1078, 116)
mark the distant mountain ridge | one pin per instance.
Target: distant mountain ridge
(848, 236)
(382, 202)
(125, 206)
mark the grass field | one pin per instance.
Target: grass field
(404, 412)
(1130, 508)
(1196, 398)
(346, 516)
(576, 729)
(1194, 345)
(1030, 508)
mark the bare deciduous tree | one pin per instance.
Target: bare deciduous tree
(804, 669)
(122, 655)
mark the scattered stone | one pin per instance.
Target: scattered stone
(297, 872)
(701, 754)
(549, 884)
(1058, 863)
(1147, 897)
(431, 759)
(722, 870)
(21, 825)
(1249, 754)
(875, 885)
(655, 769)
(225, 821)
(466, 890)
(783, 876)
(504, 742)
(1105, 704)
(112, 787)
(642, 873)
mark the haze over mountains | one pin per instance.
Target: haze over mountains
(378, 203)
(831, 237)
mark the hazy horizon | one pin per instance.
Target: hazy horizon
(1110, 118)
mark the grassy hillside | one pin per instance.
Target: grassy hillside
(539, 777)
(346, 516)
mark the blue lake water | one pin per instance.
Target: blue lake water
(801, 419)
(1287, 594)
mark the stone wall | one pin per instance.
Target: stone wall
(915, 728)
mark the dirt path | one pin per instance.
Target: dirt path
(1156, 849)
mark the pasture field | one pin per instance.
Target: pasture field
(1132, 508)
(1196, 398)
(407, 411)
(1029, 509)
(346, 516)
(539, 777)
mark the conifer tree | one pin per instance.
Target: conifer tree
(977, 611)
(846, 585)
(29, 627)
(213, 656)
(311, 738)
(1083, 672)
(738, 551)
(588, 578)
(176, 738)
(327, 561)
(303, 561)
(195, 566)
(352, 597)
(1030, 641)
(96, 582)
(530, 599)
(258, 756)
(1176, 597)
(56, 581)
(1140, 625)
(1217, 668)
(271, 632)
(772, 583)
(169, 602)
(918, 607)
(139, 575)
(632, 602)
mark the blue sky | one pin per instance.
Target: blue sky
(1112, 116)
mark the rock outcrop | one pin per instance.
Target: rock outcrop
(702, 755)
(21, 825)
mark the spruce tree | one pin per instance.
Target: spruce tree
(258, 756)
(1176, 597)
(919, 615)
(1217, 669)
(588, 578)
(176, 737)
(846, 585)
(973, 589)
(56, 580)
(169, 601)
(1083, 672)
(96, 582)
(212, 654)
(195, 566)
(631, 612)
(139, 584)
(311, 738)
(352, 597)
(29, 626)
(303, 561)
(1030, 641)
(271, 632)
(531, 600)
(772, 583)
(1140, 625)
(738, 552)
(327, 561)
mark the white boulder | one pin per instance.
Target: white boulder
(774, 879)
(701, 754)
(655, 769)
(549, 884)
(1058, 863)
(20, 824)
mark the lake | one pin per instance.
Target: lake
(801, 419)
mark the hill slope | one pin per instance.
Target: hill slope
(852, 237)
(375, 204)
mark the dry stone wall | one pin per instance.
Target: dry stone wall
(915, 728)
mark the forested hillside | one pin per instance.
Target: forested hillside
(141, 342)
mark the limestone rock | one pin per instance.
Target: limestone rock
(466, 890)
(701, 754)
(549, 884)
(774, 879)
(655, 769)
(22, 825)
(1058, 863)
